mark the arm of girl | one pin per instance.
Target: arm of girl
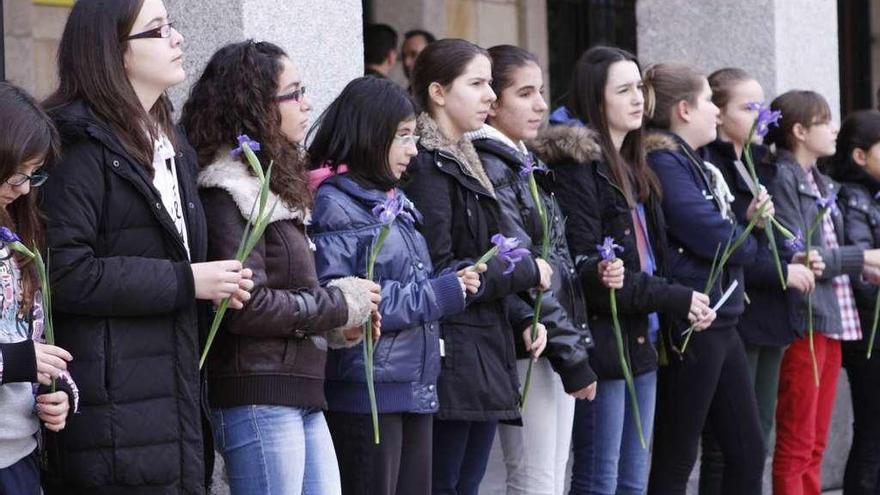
(430, 191)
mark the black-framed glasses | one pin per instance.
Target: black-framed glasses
(295, 95)
(163, 31)
(18, 178)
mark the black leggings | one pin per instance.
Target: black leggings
(710, 384)
(863, 463)
(399, 465)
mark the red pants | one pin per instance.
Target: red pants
(803, 414)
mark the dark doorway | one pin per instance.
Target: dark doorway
(575, 25)
(854, 45)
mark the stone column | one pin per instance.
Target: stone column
(324, 39)
(785, 45)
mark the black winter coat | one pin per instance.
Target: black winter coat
(861, 216)
(478, 375)
(125, 307)
(595, 208)
(765, 319)
(563, 311)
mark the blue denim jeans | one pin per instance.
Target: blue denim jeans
(608, 457)
(276, 450)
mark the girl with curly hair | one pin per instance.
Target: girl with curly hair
(266, 369)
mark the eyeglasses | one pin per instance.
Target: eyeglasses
(163, 31)
(296, 95)
(407, 138)
(37, 180)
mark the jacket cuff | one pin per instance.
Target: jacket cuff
(186, 284)
(577, 377)
(852, 260)
(19, 362)
(447, 290)
(678, 300)
(356, 299)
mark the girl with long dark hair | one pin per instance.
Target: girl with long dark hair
(126, 233)
(363, 145)
(479, 383)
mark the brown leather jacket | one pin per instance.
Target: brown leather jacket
(273, 351)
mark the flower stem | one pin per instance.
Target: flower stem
(545, 251)
(368, 334)
(624, 365)
(874, 325)
(535, 320)
(810, 335)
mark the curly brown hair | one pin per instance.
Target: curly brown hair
(236, 95)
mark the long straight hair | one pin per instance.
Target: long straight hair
(91, 69)
(28, 135)
(586, 101)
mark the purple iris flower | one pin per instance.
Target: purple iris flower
(255, 146)
(8, 236)
(530, 165)
(766, 118)
(828, 202)
(607, 249)
(391, 208)
(797, 243)
(509, 251)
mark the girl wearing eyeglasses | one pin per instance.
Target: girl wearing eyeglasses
(266, 369)
(363, 145)
(127, 241)
(29, 144)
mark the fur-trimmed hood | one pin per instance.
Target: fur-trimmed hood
(234, 177)
(659, 141)
(564, 142)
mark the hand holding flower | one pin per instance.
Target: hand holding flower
(588, 392)
(52, 409)
(701, 314)
(612, 273)
(535, 347)
(216, 280)
(816, 263)
(355, 333)
(546, 274)
(801, 278)
(763, 199)
(469, 280)
(51, 361)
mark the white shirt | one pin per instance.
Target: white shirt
(165, 181)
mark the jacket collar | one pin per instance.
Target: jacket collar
(463, 151)
(233, 176)
(787, 159)
(560, 143)
(370, 197)
(489, 133)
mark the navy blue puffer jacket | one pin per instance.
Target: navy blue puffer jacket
(407, 356)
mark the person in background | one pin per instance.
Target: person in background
(414, 42)
(380, 50)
